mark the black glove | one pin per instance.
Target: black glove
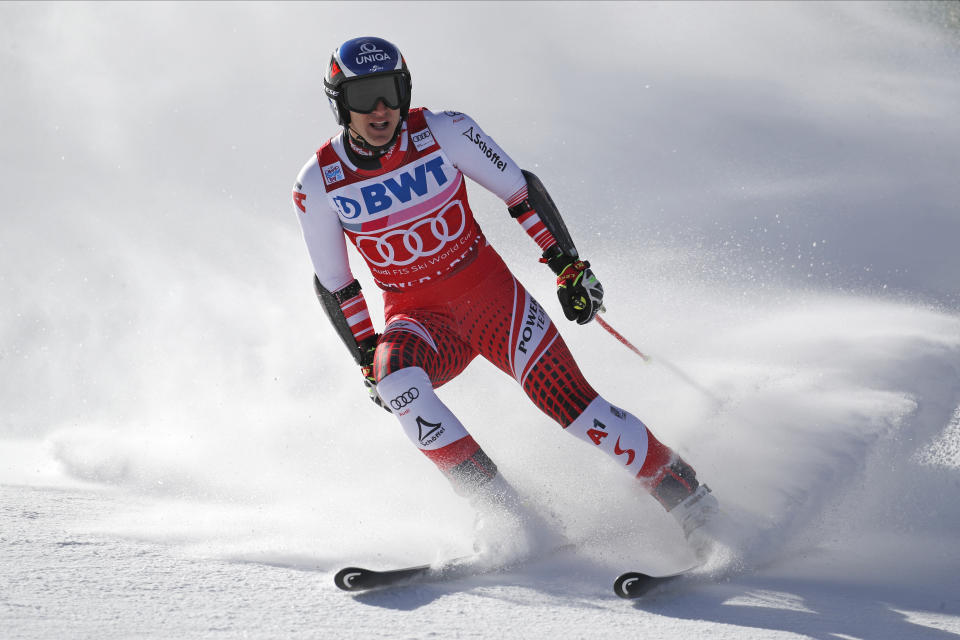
(368, 348)
(579, 291)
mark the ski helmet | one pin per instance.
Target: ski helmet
(363, 71)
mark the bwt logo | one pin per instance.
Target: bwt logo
(403, 187)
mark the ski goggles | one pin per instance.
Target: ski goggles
(363, 94)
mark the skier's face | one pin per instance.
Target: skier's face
(376, 127)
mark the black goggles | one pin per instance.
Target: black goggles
(363, 94)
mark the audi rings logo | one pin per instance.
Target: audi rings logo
(425, 238)
(405, 398)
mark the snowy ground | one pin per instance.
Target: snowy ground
(852, 473)
(185, 449)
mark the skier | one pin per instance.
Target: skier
(392, 182)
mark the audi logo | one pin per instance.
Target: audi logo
(382, 247)
(405, 398)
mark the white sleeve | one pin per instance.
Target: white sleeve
(321, 229)
(475, 153)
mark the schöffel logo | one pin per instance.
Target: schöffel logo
(403, 187)
(429, 432)
(485, 149)
(405, 398)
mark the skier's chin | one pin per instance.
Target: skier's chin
(378, 137)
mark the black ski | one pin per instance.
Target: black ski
(360, 579)
(634, 584)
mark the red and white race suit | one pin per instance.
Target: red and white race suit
(448, 295)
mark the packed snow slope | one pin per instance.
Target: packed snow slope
(768, 193)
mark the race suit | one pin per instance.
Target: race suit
(448, 295)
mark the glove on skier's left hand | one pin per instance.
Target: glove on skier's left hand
(368, 348)
(579, 291)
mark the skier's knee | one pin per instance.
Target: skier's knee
(391, 360)
(400, 348)
(429, 423)
(402, 388)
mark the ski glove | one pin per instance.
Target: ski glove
(368, 348)
(579, 291)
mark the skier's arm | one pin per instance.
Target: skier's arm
(338, 291)
(579, 291)
(347, 311)
(481, 159)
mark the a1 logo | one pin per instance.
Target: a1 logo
(598, 433)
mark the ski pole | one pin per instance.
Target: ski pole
(616, 334)
(666, 363)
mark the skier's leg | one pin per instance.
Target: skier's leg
(417, 353)
(434, 429)
(515, 333)
(556, 385)
(622, 436)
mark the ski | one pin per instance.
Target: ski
(361, 579)
(634, 584)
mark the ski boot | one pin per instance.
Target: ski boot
(692, 504)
